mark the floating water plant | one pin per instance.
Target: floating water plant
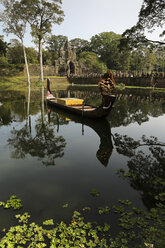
(65, 205)
(94, 192)
(143, 229)
(13, 202)
(48, 222)
(104, 210)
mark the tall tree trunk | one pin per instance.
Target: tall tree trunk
(28, 119)
(40, 59)
(42, 105)
(26, 63)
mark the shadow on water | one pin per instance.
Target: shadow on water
(101, 127)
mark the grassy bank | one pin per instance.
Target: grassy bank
(20, 82)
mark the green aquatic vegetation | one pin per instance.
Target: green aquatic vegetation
(104, 210)
(22, 218)
(104, 228)
(48, 222)
(136, 227)
(86, 209)
(125, 202)
(13, 202)
(2, 204)
(65, 205)
(94, 192)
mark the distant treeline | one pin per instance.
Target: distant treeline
(103, 51)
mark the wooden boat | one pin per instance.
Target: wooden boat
(78, 106)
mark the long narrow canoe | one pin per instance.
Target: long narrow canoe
(78, 107)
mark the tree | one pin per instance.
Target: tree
(142, 59)
(3, 47)
(54, 43)
(92, 62)
(32, 55)
(41, 14)
(15, 24)
(80, 45)
(15, 53)
(151, 15)
(106, 46)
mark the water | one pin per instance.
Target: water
(50, 158)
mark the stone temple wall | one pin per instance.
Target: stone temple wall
(34, 70)
(67, 63)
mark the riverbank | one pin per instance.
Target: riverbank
(20, 82)
(129, 80)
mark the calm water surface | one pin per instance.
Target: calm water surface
(48, 158)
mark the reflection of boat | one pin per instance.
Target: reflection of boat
(101, 127)
(78, 107)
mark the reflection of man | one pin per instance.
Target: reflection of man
(105, 149)
(102, 128)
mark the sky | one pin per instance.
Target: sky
(86, 18)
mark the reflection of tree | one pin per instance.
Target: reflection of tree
(146, 171)
(133, 109)
(43, 145)
(5, 116)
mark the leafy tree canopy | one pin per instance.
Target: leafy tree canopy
(106, 46)
(92, 62)
(12, 20)
(53, 44)
(41, 15)
(15, 53)
(151, 16)
(80, 45)
(3, 47)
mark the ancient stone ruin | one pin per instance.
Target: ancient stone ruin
(67, 63)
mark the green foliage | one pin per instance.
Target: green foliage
(15, 53)
(104, 210)
(136, 227)
(94, 192)
(80, 45)
(3, 62)
(41, 15)
(23, 218)
(143, 59)
(65, 205)
(53, 45)
(92, 62)
(151, 16)
(3, 47)
(13, 202)
(48, 222)
(86, 209)
(105, 45)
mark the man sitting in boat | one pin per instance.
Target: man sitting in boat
(107, 85)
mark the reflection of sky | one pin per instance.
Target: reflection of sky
(153, 127)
